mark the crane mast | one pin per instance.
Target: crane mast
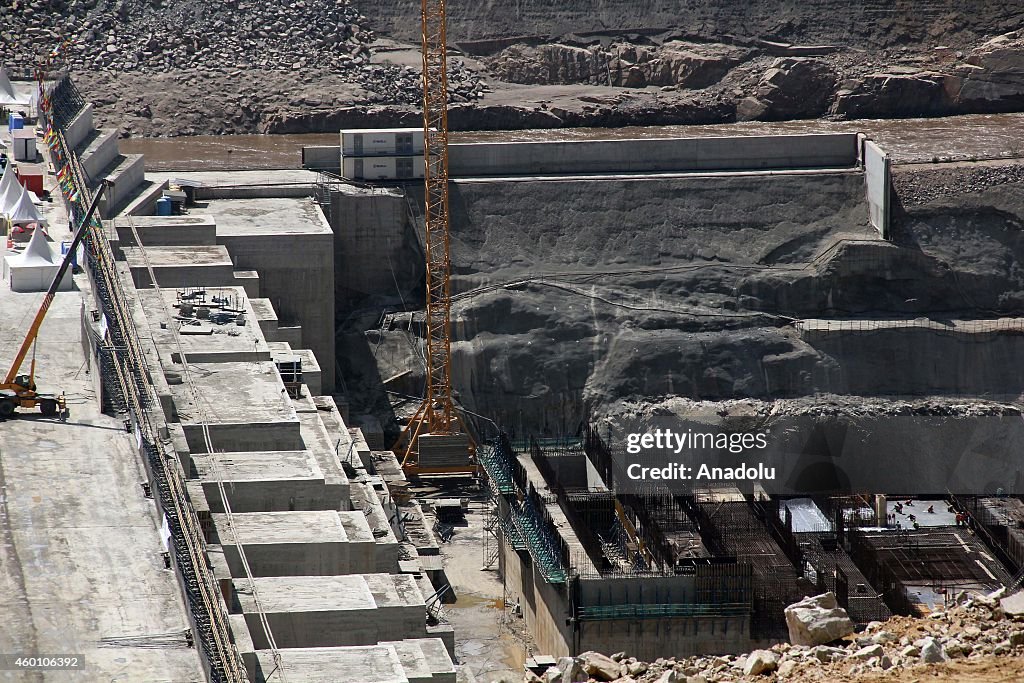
(436, 417)
(438, 403)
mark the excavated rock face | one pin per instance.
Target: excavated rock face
(573, 296)
(990, 79)
(893, 95)
(675, 63)
(793, 88)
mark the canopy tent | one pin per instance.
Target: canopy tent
(10, 194)
(6, 179)
(24, 211)
(8, 96)
(34, 269)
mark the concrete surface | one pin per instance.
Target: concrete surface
(269, 481)
(167, 231)
(80, 547)
(290, 244)
(312, 543)
(877, 178)
(652, 155)
(204, 340)
(244, 404)
(372, 664)
(182, 266)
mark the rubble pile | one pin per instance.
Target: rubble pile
(162, 36)
(975, 628)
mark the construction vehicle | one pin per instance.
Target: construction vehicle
(18, 390)
(434, 441)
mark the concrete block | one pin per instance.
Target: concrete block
(270, 481)
(168, 231)
(372, 664)
(250, 281)
(182, 266)
(333, 611)
(99, 151)
(310, 543)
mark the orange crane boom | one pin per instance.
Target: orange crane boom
(23, 386)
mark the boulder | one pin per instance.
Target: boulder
(885, 95)
(1013, 605)
(792, 88)
(932, 652)
(868, 652)
(827, 654)
(599, 666)
(817, 620)
(760, 662)
(637, 669)
(786, 668)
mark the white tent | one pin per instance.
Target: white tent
(24, 211)
(34, 269)
(7, 178)
(9, 195)
(8, 97)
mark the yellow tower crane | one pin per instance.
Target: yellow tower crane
(434, 441)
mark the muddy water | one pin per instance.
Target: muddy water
(981, 136)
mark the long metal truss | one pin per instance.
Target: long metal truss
(438, 407)
(436, 415)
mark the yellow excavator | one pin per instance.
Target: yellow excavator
(19, 391)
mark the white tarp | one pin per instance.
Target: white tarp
(34, 269)
(8, 96)
(24, 211)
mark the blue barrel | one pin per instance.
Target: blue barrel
(163, 206)
(15, 122)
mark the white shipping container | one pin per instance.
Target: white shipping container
(382, 168)
(382, 142)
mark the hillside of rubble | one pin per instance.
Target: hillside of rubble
(180, 67)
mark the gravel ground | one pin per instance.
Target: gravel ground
(920, 185)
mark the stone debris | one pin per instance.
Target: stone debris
(975, 627)
(817, 620)
(146, 36)
(599, 666)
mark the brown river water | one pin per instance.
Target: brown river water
(976, 136)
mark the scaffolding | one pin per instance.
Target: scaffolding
(519, 511)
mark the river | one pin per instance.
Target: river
(975, 136)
